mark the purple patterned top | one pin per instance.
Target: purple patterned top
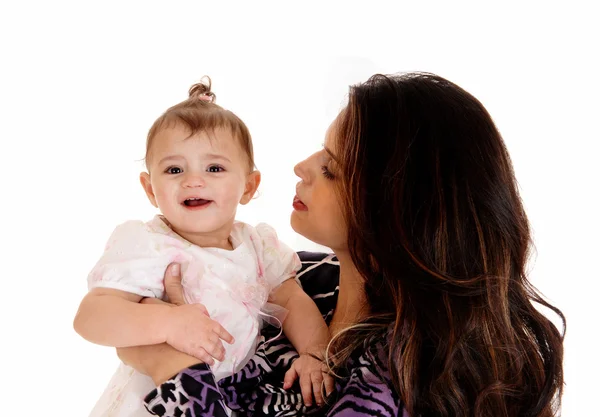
(257, 390)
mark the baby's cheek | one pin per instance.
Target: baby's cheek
(165, 199)
(231, 197)
(165, 192)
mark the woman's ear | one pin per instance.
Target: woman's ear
(147, 185)
(252, 183)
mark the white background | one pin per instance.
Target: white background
(82, 82)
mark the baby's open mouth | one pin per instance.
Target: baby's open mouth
(196, 202)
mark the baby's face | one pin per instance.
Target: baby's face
(197, 182)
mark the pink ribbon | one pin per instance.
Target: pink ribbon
(205, 97)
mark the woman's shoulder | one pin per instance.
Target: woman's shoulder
(319, 274)
(316, 265)
(318, 257)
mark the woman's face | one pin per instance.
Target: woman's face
(317, 211)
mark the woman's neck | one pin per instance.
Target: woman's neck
(351, 305)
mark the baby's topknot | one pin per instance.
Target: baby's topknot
(202, 90)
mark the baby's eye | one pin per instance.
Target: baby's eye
(215, 168)
(173, 170)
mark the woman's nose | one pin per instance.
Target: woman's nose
(300, 170)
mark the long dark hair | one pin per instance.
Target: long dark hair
(438, 231)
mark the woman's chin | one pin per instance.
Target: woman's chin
(294, 222)
(299, 224)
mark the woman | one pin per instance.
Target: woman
(433, 315)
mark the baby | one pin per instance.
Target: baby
(200, 166)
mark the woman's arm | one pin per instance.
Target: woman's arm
(177, 376)
(174, 372)
(159, 362)
(193, 391)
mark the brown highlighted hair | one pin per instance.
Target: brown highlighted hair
(200, 113)
(438, 231)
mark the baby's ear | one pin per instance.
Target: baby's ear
(147, 185)
(252, 183)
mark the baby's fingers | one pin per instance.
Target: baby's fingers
(329, 383)
(307, 389)
(317, 380)
(290, 376)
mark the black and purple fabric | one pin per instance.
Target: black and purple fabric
(257, 390)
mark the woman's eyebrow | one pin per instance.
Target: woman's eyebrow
(331, 154)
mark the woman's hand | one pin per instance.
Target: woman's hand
(189, 327)
(191, 330)
(162, 361)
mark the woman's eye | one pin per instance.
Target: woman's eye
(215, 168)
(326, 172)
(173, 170)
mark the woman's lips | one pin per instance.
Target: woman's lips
(299, 205)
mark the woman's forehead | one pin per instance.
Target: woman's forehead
(331, 134)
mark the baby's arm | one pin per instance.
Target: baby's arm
(115, 318)
(303, 326)
(132, 267)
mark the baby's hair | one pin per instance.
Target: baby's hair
(202, 90)
(199, 113)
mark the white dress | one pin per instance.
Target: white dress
(233, 285)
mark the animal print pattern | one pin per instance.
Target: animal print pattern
(257, 390)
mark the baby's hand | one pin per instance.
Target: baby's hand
(191, 330)
(312, 375)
